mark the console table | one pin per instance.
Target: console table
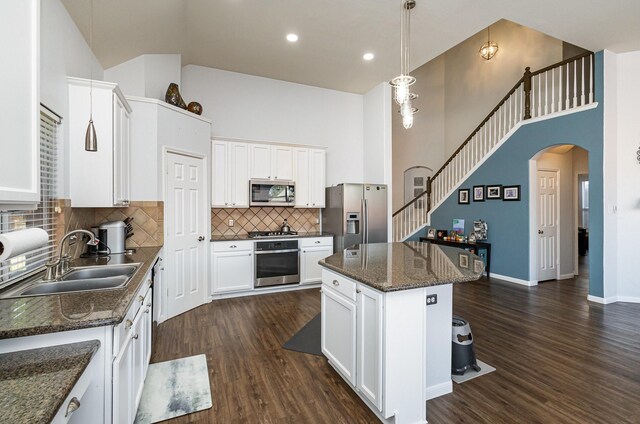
(478, 245)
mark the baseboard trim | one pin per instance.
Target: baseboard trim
(613, 299)
(565, 276)
(266, 290)
(513, 280)
(434, 391)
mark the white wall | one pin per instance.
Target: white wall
(63, 52)
(626, 137)
(147, 75)
(256, 108)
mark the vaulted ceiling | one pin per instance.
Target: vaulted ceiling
(248, 36)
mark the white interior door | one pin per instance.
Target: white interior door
(186, 221)
(547, 225)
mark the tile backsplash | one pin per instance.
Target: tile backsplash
(148, 222)
(263, 219)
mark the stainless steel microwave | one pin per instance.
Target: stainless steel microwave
(271, 193)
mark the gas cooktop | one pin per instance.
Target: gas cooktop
(272, 234)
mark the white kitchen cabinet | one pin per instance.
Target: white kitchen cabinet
(270, 162)
(339, 332)
(20, 110)
(309, 176)
(83, 402)
(231, 266)
(230, 185)
(369, 344)
(101, 178)
(313, 250)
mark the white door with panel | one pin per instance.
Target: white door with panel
(547, 225)
(260, 161)
(282, 166)
(186, 223)
(310, 271)
(369, 344)
(339, 333)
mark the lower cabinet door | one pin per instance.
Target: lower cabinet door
(310, 271)
(139, 359)
(369, 345)
(122, 384)
(232, 271)
(339, 333)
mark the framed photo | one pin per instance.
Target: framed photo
(511, 193)
(463, 196)
(463, 260)
(478, 266)
(478, 193)
(431, 233)
(441, 234)
(458, 226)
(494, 192)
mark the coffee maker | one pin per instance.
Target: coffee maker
(115, 232)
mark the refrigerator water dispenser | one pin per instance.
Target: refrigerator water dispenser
(353, 223)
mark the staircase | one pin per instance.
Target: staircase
(564, 87)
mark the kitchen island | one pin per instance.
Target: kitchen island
(386, 322)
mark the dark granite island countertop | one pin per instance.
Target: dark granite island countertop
(27, 316)
(402, 266)
(237, 237)
(34, 383)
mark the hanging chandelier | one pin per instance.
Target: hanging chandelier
(402, 82)
(490, 48)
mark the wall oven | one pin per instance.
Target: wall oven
(270, 193)
(276, 263)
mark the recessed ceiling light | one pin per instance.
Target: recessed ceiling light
(292, 38)
(368, 56)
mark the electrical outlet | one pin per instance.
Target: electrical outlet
(231, 222)
(317, 220)
(432, 299)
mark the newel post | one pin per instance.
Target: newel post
(527, 93)
(428, 194)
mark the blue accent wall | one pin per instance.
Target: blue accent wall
(509, 221)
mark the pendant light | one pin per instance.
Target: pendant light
(490, 48)
(91, 138)
(402, 82)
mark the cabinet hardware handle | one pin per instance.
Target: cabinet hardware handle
(321, 291)
(233, 246)
(358, 291)
(269, 177)
(141, 298)
(128, 324)
(307, 204)
(148, 309)
(149, 283)
(135, 336)
(318, 242)
(201, 238)
(234, 204)
(72, 407)
(336, 283)
(226, 204)
(314, 204)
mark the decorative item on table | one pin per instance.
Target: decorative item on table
(480, 230)
(463, 260)
(195, 107)
(478, 193)
(463, 196)
(441, 234)
(173, 96)
(511, 193)
(431, 233)
(458, 227)
(478, 266)
(472, 237)
(494, 192)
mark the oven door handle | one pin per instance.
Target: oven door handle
(265, 252)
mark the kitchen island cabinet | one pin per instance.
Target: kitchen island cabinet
(383, 332)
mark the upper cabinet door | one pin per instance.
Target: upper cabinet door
(317, 178)
(301, 177)
(121, 154)
(20, 141)
(260, 162)
(220, 174)
(282, 159)
(239, 175)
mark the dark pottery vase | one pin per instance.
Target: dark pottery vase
(173, 96)
(195, 107)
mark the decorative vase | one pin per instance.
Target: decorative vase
(195, 107)
(173, 96)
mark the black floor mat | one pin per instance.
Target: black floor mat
(307, 339)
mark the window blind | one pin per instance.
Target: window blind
(44, 216)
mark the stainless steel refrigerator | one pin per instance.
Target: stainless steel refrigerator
(356, 214)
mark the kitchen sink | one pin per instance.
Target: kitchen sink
(79, 279)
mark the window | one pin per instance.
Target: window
(44, 216)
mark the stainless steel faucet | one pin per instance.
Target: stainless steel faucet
(58, 266)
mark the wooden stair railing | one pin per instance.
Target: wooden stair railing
(563, 86)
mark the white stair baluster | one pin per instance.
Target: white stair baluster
(553, 90)
(567, 100)
(591, 79)
(546, 93)
(582, 96)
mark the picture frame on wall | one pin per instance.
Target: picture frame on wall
(463, 196)
(478, 193)
(463, 260)
(431, 233)
(511, 193)
(494, 192)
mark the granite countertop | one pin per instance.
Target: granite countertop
(34, 383)
(27, 316)
(402, 266)
(237, 237)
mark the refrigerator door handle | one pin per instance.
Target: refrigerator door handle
(365, 218)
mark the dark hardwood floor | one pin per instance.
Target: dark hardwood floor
(559, 359)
